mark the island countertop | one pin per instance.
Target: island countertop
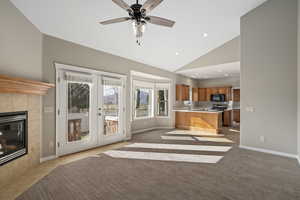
(197, 111)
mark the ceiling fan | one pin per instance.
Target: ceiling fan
(138, 14)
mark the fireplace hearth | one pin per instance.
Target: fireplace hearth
(13, 136)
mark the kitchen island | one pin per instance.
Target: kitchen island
(210, 120)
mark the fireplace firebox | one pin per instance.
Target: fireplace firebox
(13, 136)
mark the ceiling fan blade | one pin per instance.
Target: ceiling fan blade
(117, 20)
(160, 21)
(123, 5)
(150, 5)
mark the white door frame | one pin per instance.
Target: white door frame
(64, 67)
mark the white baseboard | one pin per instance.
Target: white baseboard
(47, 158)
(269, 152)
(150, 129)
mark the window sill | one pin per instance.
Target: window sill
(163, 117)
(143, 118)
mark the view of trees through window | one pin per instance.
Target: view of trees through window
(143, 102)
(78, 111)
(79, 97)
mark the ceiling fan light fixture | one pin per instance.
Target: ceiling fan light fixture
(139, 29)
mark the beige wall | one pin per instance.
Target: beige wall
(228, 81)
(20, 44)
(298, 81)
(227, 53)
(56, 50)
(269, 76)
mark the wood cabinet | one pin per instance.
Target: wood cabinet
(186, 96)
(236, 95)
(215, 91)
(229, 94)
(205, 93)
(182, 92)
(236, 115)
(221, 90)
(209, 92)
(202, 94)
(211, 122)
(195, 94)
(227, 118)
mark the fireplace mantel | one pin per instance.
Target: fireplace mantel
(23, 86)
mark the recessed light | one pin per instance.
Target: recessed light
(176, 53)
(205, 34)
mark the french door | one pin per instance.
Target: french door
(90, 110)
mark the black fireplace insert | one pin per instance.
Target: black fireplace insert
(13, 136)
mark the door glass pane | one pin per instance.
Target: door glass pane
(111, 108)
(143, 105)
(162, 102)
(78, 111)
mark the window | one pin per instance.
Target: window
(150, 99)
(78, 104)
(111, 105)
(143, 102)
(162, 102)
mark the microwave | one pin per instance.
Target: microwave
(218, 98)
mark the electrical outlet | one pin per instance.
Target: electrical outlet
(250, 109)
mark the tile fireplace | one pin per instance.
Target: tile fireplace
(13, 136)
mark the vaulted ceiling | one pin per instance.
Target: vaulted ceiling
(201, 25)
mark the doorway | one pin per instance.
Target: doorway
(90, 108)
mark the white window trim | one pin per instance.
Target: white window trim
(145, 85)
(155, 87)
(163, 86)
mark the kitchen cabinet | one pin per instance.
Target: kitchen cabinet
(215, 91)
(227, 118)
(186, 96)
(229, 94)
(205, 121)
(202, 94)
(236, 115)
(195, 94)
(236, 95)
(182, 93)
(205, 93)
(209, 92)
